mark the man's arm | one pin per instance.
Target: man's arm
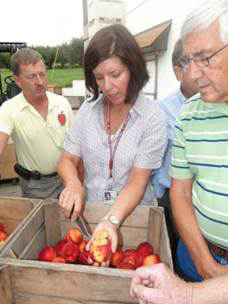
(158, 284)
(4, 138)
(187, 226)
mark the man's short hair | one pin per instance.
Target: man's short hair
(177, 53)
(24, 56)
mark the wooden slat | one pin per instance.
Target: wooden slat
(164, 249)
(37, 243)
(6, 290)
(34, 299)
(52, 223)
(87, 287)
(20, 240)
(94, 212)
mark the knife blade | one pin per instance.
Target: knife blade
(83, 228)
(81, 225)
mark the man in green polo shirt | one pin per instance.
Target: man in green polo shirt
(37, 121)
(199, 191)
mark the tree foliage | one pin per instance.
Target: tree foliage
(68, 54)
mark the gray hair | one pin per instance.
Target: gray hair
(204, 15)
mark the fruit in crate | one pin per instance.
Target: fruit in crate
(151, 260)
(47, 254)
(74, 235)
(59, 260)
(142, 251)
(124, 265)
(129, 257)
(3, 235)
(100, 249)
(59, 247)
(116, 257)
(84, 258)
(70, 252)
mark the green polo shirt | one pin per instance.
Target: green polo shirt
(200, 151)
(38, 141)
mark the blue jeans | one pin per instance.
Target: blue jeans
(184, 264)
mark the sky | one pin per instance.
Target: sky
(41, 22)
(44, 22)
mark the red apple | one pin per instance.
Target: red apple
(74, 235)
(151, 260)
(142, 251)
(47, 254)
(62, 118)
(1, 227)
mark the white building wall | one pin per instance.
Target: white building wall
(104, 12)
(151, 13)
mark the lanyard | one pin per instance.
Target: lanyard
(113, 151)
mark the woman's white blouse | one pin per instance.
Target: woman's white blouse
(142, 145)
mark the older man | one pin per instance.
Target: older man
(199, 190)
(37, 121)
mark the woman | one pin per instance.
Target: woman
(119, 134)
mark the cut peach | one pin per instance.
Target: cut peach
(101, 234)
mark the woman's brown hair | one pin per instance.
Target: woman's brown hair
(115, 40)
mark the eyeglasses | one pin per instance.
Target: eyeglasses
(200, 61)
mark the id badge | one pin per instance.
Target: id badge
(110, 196)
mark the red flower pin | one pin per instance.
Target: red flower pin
(62, 118)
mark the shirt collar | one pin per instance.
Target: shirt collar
(137, 107)
(22, 103)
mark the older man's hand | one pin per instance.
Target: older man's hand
(158, 285)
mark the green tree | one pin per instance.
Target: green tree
(48, 54)
(4, 60)
(63, 54)
(76, 51)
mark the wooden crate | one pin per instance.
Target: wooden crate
(13, 213)
(7, 162)
(28, 281)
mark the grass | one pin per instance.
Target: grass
(59, 77)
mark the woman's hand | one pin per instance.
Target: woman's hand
(105, 225)
(71, 197)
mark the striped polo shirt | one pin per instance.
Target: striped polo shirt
(200, 151)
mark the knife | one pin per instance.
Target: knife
(81, 225)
